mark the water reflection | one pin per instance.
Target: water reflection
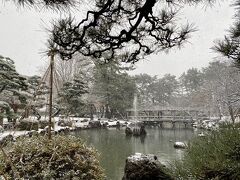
(115, 147)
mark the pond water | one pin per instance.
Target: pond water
(114, 147)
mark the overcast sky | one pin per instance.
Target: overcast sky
(23, 34)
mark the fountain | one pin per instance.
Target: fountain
(135, 107)
(136, 130)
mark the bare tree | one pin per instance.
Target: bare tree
(224, 88)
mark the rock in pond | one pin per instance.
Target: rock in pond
(95, 124)
(136, 131)
(144, 167)
(180, 145)
(128, 131)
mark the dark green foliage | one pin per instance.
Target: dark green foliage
(216, 156)
(64, 157)
(147, 27)
(164, 89)
(114, 88)
(192, 80)
(12, 88)
(70, 96)
(38, 93)
(47, 3)
(230, 45)
(145, 87)
(153, 90)
(9, 78)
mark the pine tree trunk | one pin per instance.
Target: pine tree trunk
(108, 113)
(231, 113)
(1, 121)
(91, 111)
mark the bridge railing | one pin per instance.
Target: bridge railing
(165, 118)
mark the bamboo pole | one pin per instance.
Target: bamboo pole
(50, 94)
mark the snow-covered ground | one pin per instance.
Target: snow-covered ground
(15, 134)
(77, 122)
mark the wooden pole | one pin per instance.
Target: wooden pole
(50, 94)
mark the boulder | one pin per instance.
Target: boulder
(105, 124)
(139, 131)
(135, 129)
(128, 131)
(180, 145)
(95, 124)
(144, 167)
(118, 125)
(143, 132)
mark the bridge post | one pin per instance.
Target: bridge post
(185, 124)
(161, 124)
(173, 124)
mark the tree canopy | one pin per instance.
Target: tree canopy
(230, 45)
(113, 88)
(47, 3)
(12, 87)
(129, 30)
(70, 96)
(122, 28)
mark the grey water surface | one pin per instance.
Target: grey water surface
(114, 147)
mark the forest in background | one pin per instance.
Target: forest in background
(84, 87)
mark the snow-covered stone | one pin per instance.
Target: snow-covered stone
(180, 145)
(144, 167)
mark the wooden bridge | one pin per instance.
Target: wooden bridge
(163, 116)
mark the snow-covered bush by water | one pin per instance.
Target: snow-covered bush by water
(63, 157)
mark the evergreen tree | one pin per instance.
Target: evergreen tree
(112, 26)
(37, 96)
(230, 45)
(164, 89)
(191, 80)
(114, 89)
(12, 88)
(70, 97)
(145, 87)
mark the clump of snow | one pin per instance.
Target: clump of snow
(15, 134)
(139, 157)
(30, 120)
(181, 145)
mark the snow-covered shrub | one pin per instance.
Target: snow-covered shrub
(65, 123)
(27, 124)
(43, 123)
(63, 157)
